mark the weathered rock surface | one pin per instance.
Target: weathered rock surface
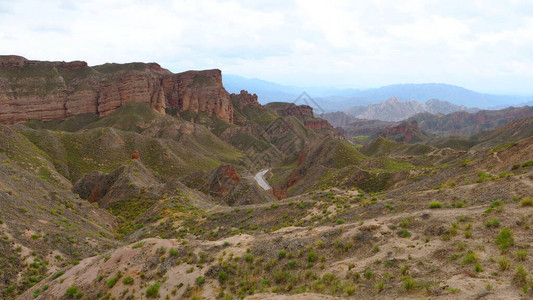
(56, 90)
(406, 131)
(303, 112)
(317, 124)
(245, 99)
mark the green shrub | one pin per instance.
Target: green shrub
(222, 277)
(504, 263)
(200, 280)
(493, 223)
(409, 283)
(521, 274)
(478, 268)
(379, 286)
(72, 292)
(10, 289)
(470, 257)
(111, 282)
(405, 223)
(57, 274)
(496, 203)
(127, 280)
(173, 251)
(249, 257)
(282, 254)
(521, 255)
(505, 239)
(312, 256)
(527, 163)
(138, 245)
(153, 290)
(404, 233)
(292, 264)
(435, 205)
(350, 290)
(526, 201)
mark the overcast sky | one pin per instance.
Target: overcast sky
(482, 45)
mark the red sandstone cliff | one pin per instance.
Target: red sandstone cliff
(56, 90)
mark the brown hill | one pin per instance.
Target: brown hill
(464, 123)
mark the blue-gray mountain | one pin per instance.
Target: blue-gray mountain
(396, 110)
(331, 99)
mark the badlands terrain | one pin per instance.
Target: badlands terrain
(128, 181)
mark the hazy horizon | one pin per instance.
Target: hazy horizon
(482, 46)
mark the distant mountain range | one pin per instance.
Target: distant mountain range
(393, 110)
(331, 99)
(396, 110)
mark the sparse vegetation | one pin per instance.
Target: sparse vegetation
(153, 290)
(528, 201)
(435, 205)
(505, 239)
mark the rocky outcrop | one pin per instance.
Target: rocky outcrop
(290, 109)
(302, 112)
(317, 124)
(127, 181)
(244, 99)
(406, 130)
(221, 180)
(198, 91)
(135, 155)
(56, 90)
(299, 111)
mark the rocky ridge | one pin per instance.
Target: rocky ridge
(56, 90)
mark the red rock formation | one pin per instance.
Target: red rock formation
(221, 180)
(245, 99)
(279, 193)
(228, 171)
(317, 124)
(301, 158)
(56, 90)
(135, 155)
(299, 111)
(408, 130)
(198, 91)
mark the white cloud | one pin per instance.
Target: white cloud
(485, 45)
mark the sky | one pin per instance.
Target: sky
(486, 46)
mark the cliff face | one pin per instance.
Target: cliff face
(56, 90)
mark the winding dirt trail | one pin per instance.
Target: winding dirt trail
(260, 179)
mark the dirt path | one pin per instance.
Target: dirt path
(260, 179)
